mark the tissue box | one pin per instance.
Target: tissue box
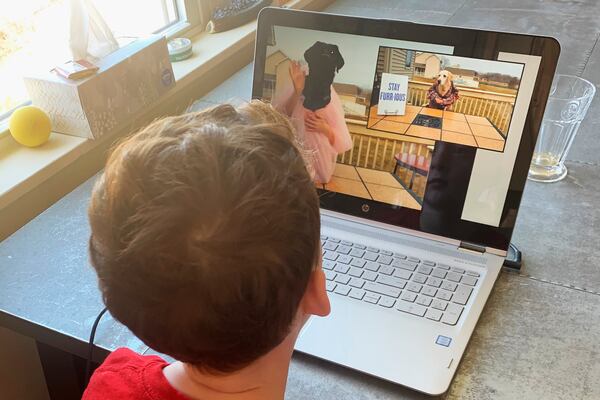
(128, 80)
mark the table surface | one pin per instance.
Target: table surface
(468, 130)
(538, 335)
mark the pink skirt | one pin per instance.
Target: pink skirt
(322, 154)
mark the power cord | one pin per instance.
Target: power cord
(88, 364)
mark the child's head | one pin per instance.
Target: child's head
(205, 235)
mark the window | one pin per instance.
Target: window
(34, 34)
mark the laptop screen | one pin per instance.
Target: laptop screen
(408, 131)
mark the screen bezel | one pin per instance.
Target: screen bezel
(466, 43)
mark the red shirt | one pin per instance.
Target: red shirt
(126, 375)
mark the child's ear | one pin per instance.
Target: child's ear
(315, 300)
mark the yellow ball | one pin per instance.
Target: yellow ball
(30, 126)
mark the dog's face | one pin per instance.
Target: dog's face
(444, 77)
(324, 55)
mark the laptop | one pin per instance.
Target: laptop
(419, 138)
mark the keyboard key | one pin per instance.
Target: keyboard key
(391, 281)
(452, 314)
(357, 262)
(357, 293)
(346, 243)
(411, 308)
(328, 264)
(372, 266)
(385, 252)
(357, 282)
(424, 300)
(370, 256)
(468, 280)
(373, 249)
(371, 297)
(435, 282)
(369, 275)
(333, 240)
(424, 269)
(386, 270)
(407, 265)
(330, 286)
(473, 273)
(439, 304)
(400, 255)
(414, 259)
(458, 270)
(429, 291)
(409, 296)
(323, 237)
(414, 287)
(343, 279)
(329, 255)
(344, 259)
(383, 259)
(382, 289)
(433, 314)
(343, 290)
(387, 302)
(462, 294)
(439, 273)
(330, 275)
(444, 295)
(357, 253)
(359, 246)
(330, 246)
(343, 249)
(419, 278)
(403, 274)
(357, 272)
(449, 286)
(427, 262)
(342, 268)
(443, 266)
(453, 276)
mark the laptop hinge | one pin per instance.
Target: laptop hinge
(471, 247)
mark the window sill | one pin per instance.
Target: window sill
(23, 169)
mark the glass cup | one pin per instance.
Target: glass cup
(570, 98)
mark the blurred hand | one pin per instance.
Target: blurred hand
(297, 76)
(438, 100)
(316, 123)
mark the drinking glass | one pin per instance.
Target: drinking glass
(570, 98)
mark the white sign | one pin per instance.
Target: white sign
(392, 95)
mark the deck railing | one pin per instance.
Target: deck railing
(497, 107)
(376, 150)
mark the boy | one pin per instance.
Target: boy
(205, 239)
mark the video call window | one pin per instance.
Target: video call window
(453, 99)
(332, 97)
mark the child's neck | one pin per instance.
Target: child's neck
(264, 379)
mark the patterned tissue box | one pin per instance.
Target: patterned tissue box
(127, 81)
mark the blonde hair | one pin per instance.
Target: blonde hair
(205, 230)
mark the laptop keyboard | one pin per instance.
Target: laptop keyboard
(408, 284)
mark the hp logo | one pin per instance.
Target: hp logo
(365, 208)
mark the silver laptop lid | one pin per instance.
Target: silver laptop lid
(423, 127)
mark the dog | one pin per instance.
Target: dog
(324, 61)
(442, 94)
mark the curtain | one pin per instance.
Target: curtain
(89, 36)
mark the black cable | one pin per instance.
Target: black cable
(88, 364)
